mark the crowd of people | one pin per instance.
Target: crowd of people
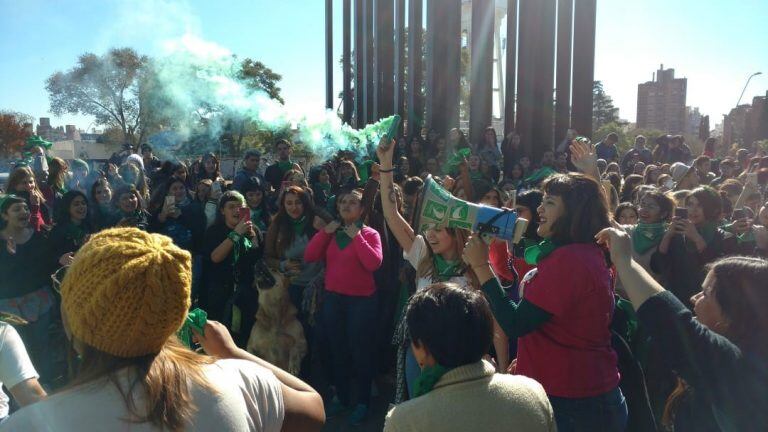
(632, 302)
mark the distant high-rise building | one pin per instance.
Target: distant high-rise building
(661, 102)
(693, 120)
(746, 124)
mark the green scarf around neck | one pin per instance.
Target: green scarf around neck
(342, 239)
(299, 225)
(75, 233)
(445, 270)
(708, 231)
(284, 165)
(428, 378)
(534, 254)
(647, 235)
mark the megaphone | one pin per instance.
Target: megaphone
(437, 208)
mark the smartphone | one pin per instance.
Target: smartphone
(245, 213)
(738, 214)
(170, 200)
(681, 213)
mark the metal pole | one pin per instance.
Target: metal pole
(481, 70)
(346, 61)
(745, 86)
(563, 79)
(511, 83)
(329, 54)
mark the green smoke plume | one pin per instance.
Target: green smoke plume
(196, 83)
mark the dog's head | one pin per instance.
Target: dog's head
(272, 285)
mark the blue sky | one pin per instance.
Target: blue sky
(715, 44)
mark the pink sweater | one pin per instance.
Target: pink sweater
(348, 271)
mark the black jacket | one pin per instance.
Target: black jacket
(727, 385)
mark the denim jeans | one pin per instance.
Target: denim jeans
(350, 326)
(605, 413)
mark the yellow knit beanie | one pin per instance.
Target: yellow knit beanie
(127, 292)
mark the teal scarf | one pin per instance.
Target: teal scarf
(747, 237)
(428, 378)
(75, 233)
(534, 254)
(342, 238)
(445, 269)
(284, 166)
(645, 236)
(299, 225)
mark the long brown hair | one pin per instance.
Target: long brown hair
(18, 175)
(57, 171)
(742, 295)
(280, 234)
(426, 268)
(163, 378)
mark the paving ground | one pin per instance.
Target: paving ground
(379, 407)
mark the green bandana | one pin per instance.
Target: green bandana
(342, 239)
(645, 236)
(242, 245)
(195, 319)
(534, 254)
(427, 379)
(445, 269)
(455, 159)
(747, 237)
(299, 225)
(75, 233)
(708, 231)
(284, 165)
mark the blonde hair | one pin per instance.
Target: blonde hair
(164, 378)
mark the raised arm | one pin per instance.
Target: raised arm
(403, 232)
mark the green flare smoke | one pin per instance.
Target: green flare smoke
(196, 83)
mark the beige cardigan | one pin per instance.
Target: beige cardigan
(474, 398)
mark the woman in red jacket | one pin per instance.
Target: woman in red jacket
(563, 321)
(352, 252)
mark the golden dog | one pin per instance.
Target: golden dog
(277, 335)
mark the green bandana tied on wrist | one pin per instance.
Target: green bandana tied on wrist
(645, 236)
(242, 245)
(534, 254)
(428, 378)
(342, 238)
(445, 270)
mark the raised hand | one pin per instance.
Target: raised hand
(332, 227)
(618, 242)
(384, 151)
(583, 156)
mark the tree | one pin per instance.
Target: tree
(105, 87)
(603, 111)
(259, 77)
(14, 131)
(126, 93)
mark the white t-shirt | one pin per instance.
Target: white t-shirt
(249, 399)
(15, 366)
(419, 252)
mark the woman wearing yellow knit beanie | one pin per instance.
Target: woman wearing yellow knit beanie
(123, 300)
